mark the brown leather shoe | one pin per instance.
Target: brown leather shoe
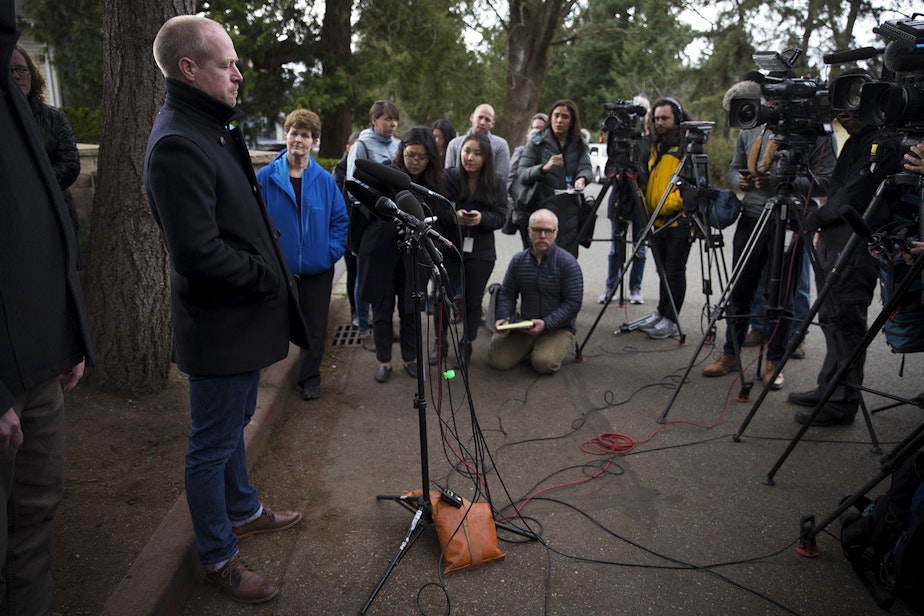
(769, 367)
(241, 582)
(723, 365)
(268, 522)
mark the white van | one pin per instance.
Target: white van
(598, 161)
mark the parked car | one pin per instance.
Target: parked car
(598, 161)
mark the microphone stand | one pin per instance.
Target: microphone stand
(421, 506)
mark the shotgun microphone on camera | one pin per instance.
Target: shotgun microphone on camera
(852, 55)
(396, 178)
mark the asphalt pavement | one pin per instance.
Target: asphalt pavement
(628, 515)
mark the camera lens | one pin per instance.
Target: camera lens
(747, 113)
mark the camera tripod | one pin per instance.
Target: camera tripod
(885, 187)
(789, 163)
(693, 164)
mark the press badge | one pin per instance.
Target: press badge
(468, 244)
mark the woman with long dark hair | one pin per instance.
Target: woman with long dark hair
(481, 205)
(558, 158)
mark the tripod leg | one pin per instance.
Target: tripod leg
(890, 307)
(740, 267)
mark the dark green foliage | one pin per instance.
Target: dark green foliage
(85, 122)
(75, 33)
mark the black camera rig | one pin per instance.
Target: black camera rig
(624, 125)
(796, 109)
(896, 100)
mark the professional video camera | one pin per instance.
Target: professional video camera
(797, 107)
(624, 124)
(897, 99)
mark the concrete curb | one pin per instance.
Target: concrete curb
(164, 573)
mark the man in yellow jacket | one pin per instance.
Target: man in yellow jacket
(670, 242)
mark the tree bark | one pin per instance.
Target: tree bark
(336, 57)
(530, 32)
(127, 277)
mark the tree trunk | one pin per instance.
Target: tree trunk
(532, 26)
(127, 277)
(336, 56)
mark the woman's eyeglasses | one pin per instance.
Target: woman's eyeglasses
(417, 158)
(21, 71)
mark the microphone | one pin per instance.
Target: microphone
(851, 55)
(364, 195)
(395, 178)
(371, 182)
(855, 221)
(410, 213)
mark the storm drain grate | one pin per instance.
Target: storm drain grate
(346, 335)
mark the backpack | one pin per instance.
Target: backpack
(884, 539)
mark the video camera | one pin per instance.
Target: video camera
(797, 108)
(624, 121)
(896, 100)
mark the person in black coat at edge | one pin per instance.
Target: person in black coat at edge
(234, 304)
(868, 156)
(44, 342)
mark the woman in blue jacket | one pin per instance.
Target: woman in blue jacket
(308, 209)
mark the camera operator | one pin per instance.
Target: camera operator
(621, 211)
(670, 244)
(758, 185)
(869, 155)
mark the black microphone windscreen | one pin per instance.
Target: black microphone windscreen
(410, 205)
(851, 55)
(370, 181)
(383, 173)
(855, 221)
(362, 194)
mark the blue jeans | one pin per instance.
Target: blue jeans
(800, 303)
(218, 489)
(638, 262)
(362, 311)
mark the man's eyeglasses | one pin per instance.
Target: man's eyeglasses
(22, 71)
(417, 158)
(847, 115)
(542, 231)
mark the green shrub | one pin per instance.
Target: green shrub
(85, 122)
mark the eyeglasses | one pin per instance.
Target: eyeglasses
(22, 71)
(542, 231)
(847, 115)
(417, 158)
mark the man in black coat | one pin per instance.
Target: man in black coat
(44, 341)
(233, 302)
(869, 156)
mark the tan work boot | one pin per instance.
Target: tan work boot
(241, 582)
(723, 365)
(769, 368)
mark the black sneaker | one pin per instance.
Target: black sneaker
(827, 417)
(806, 398)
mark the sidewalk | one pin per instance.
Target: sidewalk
(681, 524)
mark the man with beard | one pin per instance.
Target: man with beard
(670, 242)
